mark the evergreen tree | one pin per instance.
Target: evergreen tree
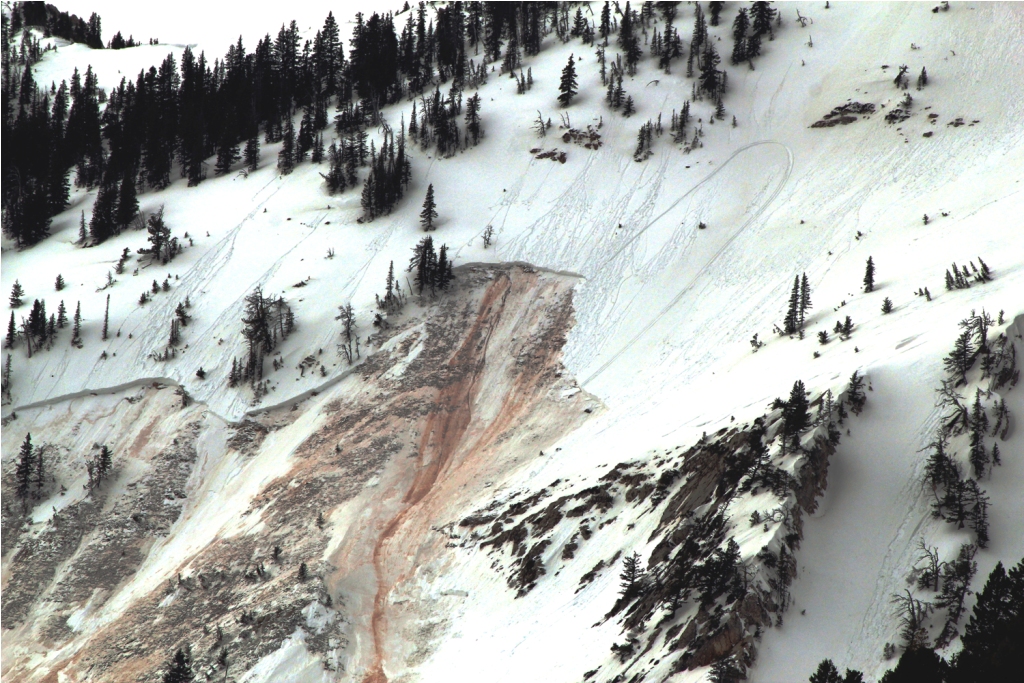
(886, 305)
(917, 665)
(869, 276)
(956, 581)
(59, 284)
(12, 333)
(62, 315)
(286, 157)
(740, 25)
(568, 86)
(106, 319)
(473, 118)
(76, 331)
(855, 393)
(127, 203)
(715, 9)
(252, 152)
(180, 670)
(83, 235)
(762, 15)
(317, 153)
(26, 465)
(605, 28)
(795, 415)
(17, 292)
(103, 223)
(805, 299)
(979, 427)
(977, 516)
(630, 576)
(826, 673)
(159, 237)
(429, 212)
(991, 640)
(629, 40)
(960, 359)
(792, 321)
(227, 153)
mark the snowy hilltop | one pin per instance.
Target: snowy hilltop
(492, 341)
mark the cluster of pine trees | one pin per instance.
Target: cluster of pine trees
(748, 30)
(53, 22)
(959, 499)
(266, 322)
(177, 117)
(38, 331)
(961, 277)
(431, 269)
(799, 304)
(990, 643)
(29, 471)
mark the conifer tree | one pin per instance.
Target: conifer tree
(12, 333)
(26, 465)
(317, 152)
(994, 629)
(826, 673)
(795, 416)
(286, 157)
(960, 359)
(979, 427)
(472, 118)
(739, 32)
(792, 321)
(127, 203)
(605, 28)
(762, 15)
(180, 670)
(227, 153)
(252, 152)
(17, 292)
(887, 305)
(805, 299)
(62, 315)
(106, 319)
(83, 235)
(567, 86)
(59, 284)
(429, 212)
(630, 575)
(76, 331)
(869, 276)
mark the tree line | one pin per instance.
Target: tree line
(173, 117)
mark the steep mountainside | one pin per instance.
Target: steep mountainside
(599, 454)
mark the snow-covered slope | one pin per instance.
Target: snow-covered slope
(663, 317)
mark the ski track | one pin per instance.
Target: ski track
(686, 288)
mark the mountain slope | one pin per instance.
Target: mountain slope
(662, 313)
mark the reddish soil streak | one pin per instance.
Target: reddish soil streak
(445, 427)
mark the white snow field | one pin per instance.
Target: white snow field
(663, 311)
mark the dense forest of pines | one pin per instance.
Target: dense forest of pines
(175, 117)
